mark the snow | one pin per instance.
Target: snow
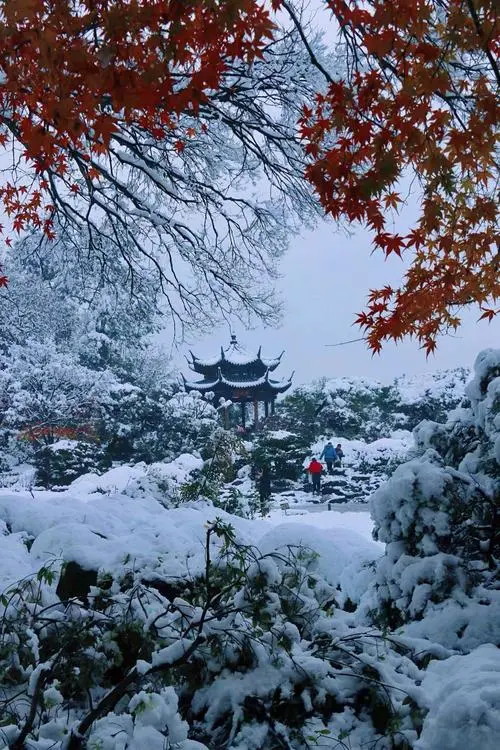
(280, 434)
(358, 522)
(115, 532)
(16, 562)
(341, 551)
(438, 384)
(439, 664)
(201, 384)
(63, 445)
(139, 479)
(236, 355)
(462, 694)
(172, 653)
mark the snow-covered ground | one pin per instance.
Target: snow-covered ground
(113, 532)
(358, 521)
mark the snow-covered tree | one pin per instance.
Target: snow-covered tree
(83, 302)
(208, 212)
(46, 391)
(360, 407)
(439, 513)
(150, 426)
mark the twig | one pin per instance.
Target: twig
(351, 341)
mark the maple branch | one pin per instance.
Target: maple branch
(480, 33)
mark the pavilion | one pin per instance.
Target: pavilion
(239, 377)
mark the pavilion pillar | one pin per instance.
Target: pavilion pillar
(272, 406)
(256, 415)
(226, 418)
(243, 414)
(266, 407)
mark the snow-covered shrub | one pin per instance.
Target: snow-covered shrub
(463, 697)
(242, 498)
(141, 426)
(191, 423)
(60, 463)
(61, 293)
(222, 453)
(163, 481)
(431, 395)
(45, 390)
(362, 408)
(248, 652)
(420, 514)
(282, 451)
(438, 512)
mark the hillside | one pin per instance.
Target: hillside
(372, 421)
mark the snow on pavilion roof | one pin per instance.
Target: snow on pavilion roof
(203, 385)
(234, 354)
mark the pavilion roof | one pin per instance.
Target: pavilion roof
(234, 354)
(278, 386)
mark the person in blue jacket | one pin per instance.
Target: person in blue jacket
(330, 455)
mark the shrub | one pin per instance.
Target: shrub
(62, 462)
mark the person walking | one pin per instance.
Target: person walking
(315, 469)
(340, 454)
(330, 455)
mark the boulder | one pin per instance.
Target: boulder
(75, 582)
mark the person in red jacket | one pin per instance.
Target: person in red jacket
(315, 469)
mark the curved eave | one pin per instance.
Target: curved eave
(273, 386)
(271, 363)
(199, 365)
(199, 385)
(280, 388)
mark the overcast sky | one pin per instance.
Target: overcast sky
(325, 279)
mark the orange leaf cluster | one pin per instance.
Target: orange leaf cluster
(421, 95)
(71, 70)
(37, 432)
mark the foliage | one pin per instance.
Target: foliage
(419, 100)
(300, 410)
(142, 426)
(62, 462)
(77, 364)
(438, 514)
(142, 130)
(148, 150)
(361, 408)
(283, 452)
(63, 292)
(220, 452)
(48, 396)
(92, 69)
(133, 660)
(46, 391)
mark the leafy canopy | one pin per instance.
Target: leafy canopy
(73, 69)
(420, 95)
